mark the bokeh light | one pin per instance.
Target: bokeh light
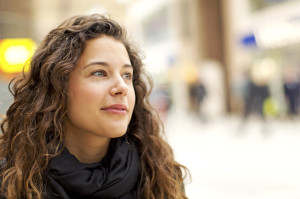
(15, 54)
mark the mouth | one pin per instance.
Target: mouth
(116, 109)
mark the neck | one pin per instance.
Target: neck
(86, 148)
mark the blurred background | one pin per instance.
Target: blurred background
(226, 82)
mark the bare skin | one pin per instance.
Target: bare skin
(101, 99)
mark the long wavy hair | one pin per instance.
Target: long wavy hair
(33, 132)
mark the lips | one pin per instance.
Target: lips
(116, 109)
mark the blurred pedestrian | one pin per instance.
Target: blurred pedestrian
(198, 93)
(81, 126)
(255, 98)
(292, 91)
(257, 93)
(257, 89)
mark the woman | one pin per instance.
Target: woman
(81, 125)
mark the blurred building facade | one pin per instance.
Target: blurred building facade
(223, 44)
(49, 14)
(226, 44)
(183, 42)
(16, 19)
(263, 46)
(35, 18)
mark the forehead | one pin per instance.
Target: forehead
(104, 43)
(106, 49)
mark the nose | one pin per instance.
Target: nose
(119, 87)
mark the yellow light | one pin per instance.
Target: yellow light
(189, 72)
(15, 54)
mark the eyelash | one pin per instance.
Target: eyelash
(129, 74)
(100, 71)
(104, 74)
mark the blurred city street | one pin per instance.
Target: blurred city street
(229, 162)
(211, 62)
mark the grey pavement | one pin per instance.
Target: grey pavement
(227, 161)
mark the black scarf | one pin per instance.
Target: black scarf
(115, 177)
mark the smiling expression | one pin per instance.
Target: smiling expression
(101, 92)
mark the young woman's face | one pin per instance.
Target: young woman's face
(101, 93)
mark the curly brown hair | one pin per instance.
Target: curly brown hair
(33, 131)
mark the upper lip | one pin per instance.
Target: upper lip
(116, 106)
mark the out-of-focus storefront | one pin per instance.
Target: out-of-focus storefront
(167, 32)
(181, 48)
(264, 48)
(222, 44)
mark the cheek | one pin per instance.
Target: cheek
(84, 96)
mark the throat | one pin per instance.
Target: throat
(87, 151)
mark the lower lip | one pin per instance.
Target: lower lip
(115, 111)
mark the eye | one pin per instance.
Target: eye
(127, 76)
(99, 73)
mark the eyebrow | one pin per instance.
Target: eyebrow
(105, 64)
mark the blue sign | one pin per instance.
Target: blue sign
(249, 40)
